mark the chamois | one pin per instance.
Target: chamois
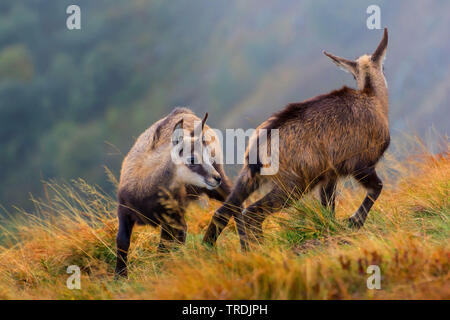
(341, 133)
(154, 189)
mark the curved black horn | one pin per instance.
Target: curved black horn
(204, 120)
(380, 51)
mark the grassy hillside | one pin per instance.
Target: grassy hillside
(306, 253)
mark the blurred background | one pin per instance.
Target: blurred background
(74, 101)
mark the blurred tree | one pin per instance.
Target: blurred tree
(16, 64)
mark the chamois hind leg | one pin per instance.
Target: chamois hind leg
(328, 194)
(255, 214)
(172, 233)
(372, 183)
(123, 240)
(244, 186)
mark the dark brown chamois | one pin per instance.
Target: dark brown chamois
(344, 132)
(154, 189)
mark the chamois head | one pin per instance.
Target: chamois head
(367, 69)
(193, 158)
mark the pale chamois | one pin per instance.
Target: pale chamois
(341, 133)
(154, 189)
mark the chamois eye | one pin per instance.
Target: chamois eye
(191, 160)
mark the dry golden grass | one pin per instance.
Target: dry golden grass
(306, 254)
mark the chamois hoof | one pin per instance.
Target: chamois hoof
(355, 223)
(208, 244)
(209, 240)
(121, 274)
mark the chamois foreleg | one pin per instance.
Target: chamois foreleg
(328, 194)
(372, 183)
(123, 240)
(172, 233)
(255, 214)
(244, 186)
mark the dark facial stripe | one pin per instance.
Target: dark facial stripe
(198, 169)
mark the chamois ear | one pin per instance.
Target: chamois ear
(344, 64)
(177, 134)
(380, 52)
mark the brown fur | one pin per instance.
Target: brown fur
(344, 132)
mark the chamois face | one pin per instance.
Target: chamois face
(367, 69)
(193, 159)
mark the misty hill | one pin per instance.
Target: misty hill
(73, 101)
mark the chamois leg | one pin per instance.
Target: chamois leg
(173, 233)
(244, 186)
(255, 214)
(372, 183)
(328, 194)
(123, 240)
